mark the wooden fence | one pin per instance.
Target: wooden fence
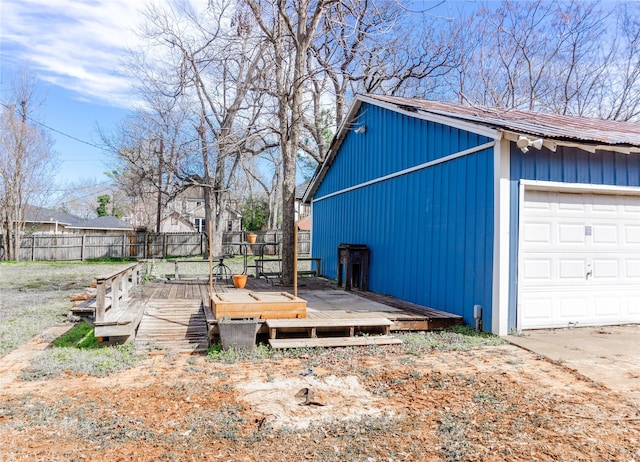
(68, 247)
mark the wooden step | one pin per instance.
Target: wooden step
(336, 324)
(333, 341)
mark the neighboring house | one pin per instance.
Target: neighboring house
(175, 222)
(304, 224)
(533, 217)
(186, 214)
(301, 208)
(101, 225)
(40, 220)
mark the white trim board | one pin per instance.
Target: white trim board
(406, 171)
(439, 119)
(579, 187)
(584, 188)
(501, 238)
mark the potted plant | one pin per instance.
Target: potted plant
(251, 238)
(239, 281)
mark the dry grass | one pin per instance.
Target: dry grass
(439, 396)
(35, 295)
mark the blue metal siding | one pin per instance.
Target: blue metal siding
(392, 142)
(430, 232)
(566, 165)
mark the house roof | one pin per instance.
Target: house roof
(585, 133)
(36, 214)
(300, 189)
(108, 222)
(44, 215)
(555, 126)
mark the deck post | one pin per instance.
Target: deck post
(100, 300)
(125, 284)
(115, 292)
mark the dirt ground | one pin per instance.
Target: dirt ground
(368, 404)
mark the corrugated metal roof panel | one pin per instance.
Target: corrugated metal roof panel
(554, 126)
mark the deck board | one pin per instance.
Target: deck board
(333, 342)
(175, 317)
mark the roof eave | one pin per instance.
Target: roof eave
(552, 143)
(420, 114)
(336, 141)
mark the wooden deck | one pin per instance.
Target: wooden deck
(177, 316)
(174, 317)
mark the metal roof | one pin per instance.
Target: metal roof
(559, 127)
(582, 132)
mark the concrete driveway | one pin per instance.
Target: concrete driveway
(609, 355)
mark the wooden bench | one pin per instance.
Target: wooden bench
(261, 271)
(218, 262)
(311, 325)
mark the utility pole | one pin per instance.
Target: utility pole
(160, 162)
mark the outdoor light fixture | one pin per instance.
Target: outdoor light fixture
(524, 143)
(361, 129)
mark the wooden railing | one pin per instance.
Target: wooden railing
(118, 284)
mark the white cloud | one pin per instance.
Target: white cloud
(78, 45)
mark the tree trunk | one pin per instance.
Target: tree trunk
(288, 215)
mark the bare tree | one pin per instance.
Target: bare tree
(268, 180)
(623, 85)
(79, 197)
(369, 47)
(211, 60)
(574, 58)
(26, 163)
(290, 28)
(151, 157)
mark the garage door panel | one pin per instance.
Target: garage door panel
(571, 270)
(605, 234)
(632, 234)
(536, 310)
(571, 233)
(603, 205)
(605, 269)
(572, 308)
(633, 270)
(579, 259)
(537, 270)
(569, 203)
(538, 233)
(607, 305)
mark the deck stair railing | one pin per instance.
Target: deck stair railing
(113, 288)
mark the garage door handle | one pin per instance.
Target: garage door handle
(589, 272)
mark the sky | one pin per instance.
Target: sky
(76, 51)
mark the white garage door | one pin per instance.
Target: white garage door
(579, 259)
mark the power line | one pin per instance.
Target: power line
(58, 131)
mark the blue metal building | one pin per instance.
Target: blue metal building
(530, 216)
